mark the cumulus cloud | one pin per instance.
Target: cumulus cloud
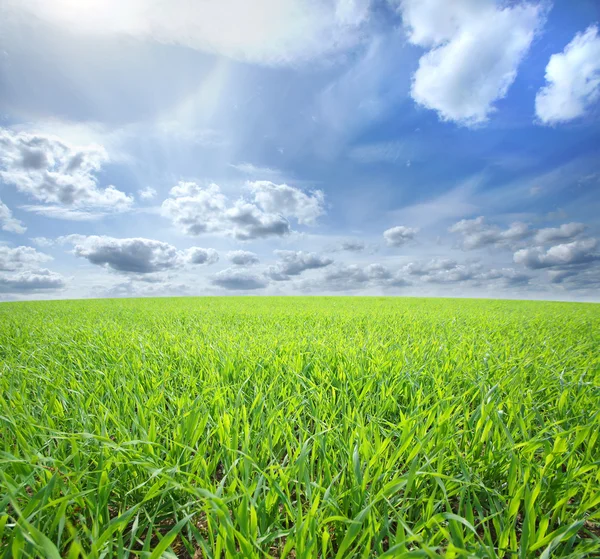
(242, 257)
(573, 80)
(378, 272)
(250, 222)
(21, 257)
(289, 201)
(447, 271)
(475, 48)
(31, 281)
(20, 271)
(345, 277)
(55, 172)
(271, 32)
(576, 278)
(137, 287)
(8, 222)
(197, 210)
(293, 263)
(400, 235)
(350, 277)
(147, 193)
(455, 274)
(238, 280)
(424, 268)
(566, 254)
(197, 255)
(509, 277)
(353, 245)
(477, 233)
(43, 242)
(137, 255)
(566, 231)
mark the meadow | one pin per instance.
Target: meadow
(299, 428)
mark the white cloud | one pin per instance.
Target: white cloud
(21, 257)
(24, 274)
(52, 171)
(289, 201)
(31, 281)
(293, 263)
(43, 242)
(400, 235)
(386, 152)
(147, 193)
(476, 233)
(424, 268)
(242, 257)
(136, 287)
(378, 271)
(573, 80)
(476, 47)
(247, 222)
(578, 252)
(197, 210)
(565, 232)
(272, 32)
(60, 212)
(350, 277)
(447, 271)
(197, 255)
(253, 170)
(8, 222)
(353, 245)
(135, 255)
(238, 280)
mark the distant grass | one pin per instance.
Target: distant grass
(299, 427)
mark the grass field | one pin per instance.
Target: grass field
(299, 427)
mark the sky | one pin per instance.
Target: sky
(300, 147)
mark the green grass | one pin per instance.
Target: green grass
(299, 427)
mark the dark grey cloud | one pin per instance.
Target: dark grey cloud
(237, 279)
(242, 257)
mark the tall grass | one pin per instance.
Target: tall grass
(299, 427)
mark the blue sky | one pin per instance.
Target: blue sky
(395, 147)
